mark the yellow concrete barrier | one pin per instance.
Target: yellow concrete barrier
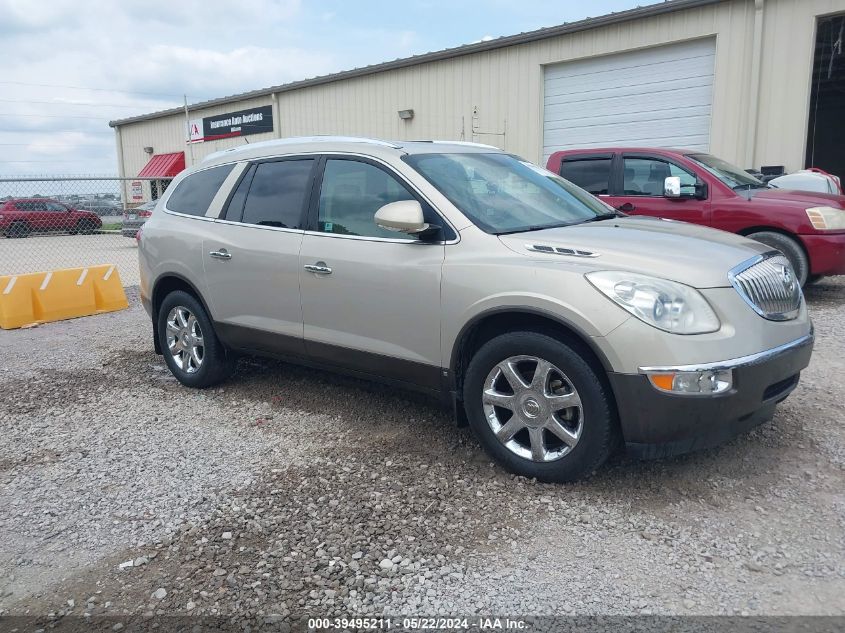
(59, 294)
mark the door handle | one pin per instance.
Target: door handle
(625, 208)
(319, 268)
(221, 254)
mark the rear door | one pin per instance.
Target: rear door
(251, 257)
(37, 216)
(638, 189)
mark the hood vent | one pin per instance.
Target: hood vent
(560, 250)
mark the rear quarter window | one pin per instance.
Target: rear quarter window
(194, 194)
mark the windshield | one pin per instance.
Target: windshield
(503, 194)
(732, 176)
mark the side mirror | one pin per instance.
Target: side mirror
(404, 216)
(672, 187)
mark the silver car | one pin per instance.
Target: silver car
(135, 218)
(553, 325)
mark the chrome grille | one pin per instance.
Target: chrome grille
(769, 285)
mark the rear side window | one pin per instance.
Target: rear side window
(591, 174)
(194, 194)
(278, 193)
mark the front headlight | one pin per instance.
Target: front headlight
(826, 218)
(666, 305)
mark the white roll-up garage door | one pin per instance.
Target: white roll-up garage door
(654, 97)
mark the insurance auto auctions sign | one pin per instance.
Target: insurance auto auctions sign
(241, 123)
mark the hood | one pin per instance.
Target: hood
(690, 254)
(795, 198)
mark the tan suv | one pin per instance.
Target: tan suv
(552, 324)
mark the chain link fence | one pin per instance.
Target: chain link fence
(71, 222)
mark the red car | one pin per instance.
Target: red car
(690, 186)
(21, 216)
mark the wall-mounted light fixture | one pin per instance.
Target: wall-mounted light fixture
(148, 150)
(406, 115)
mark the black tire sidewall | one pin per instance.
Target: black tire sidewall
(18, 229)
(791, 249)
(216, 364)
(600, 427)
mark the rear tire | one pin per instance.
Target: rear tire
(18, 229)
(568, 393)
(791, 249)
(192, 351)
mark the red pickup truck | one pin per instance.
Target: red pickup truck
(691, 186)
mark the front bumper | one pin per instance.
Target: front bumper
(827, 253)
(658, 424)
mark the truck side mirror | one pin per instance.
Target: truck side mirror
(672, 187)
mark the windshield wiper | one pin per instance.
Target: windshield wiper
(535, 227)
(602, 216)
(751, 185)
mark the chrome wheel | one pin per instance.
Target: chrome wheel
(533, 408)
(184, 339)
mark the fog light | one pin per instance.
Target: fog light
(685, 382)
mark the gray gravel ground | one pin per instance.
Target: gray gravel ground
(289, 492)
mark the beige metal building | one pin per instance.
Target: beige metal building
(735, 77)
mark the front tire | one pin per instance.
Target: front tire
(791, 249)
(85, 227)
(191, 349)
(538, 408)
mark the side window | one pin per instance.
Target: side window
(56, 207)
(351, 194)
(194, 194)
(592, 174)
(235, 208)
(645, 176)
(38, 206)
(278, 193)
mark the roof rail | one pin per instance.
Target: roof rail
(468, 144)
(294, 140)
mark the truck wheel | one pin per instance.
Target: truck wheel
(538, 408)
(790, 248)
(18, 229)
(191, 349)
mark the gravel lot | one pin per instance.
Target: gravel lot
(288, 492)
(51, 251)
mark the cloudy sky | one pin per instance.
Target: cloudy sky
(70, 66)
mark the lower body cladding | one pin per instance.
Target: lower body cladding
(738, 395)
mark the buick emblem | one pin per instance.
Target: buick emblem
(786, 278)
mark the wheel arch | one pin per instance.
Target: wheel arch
(163, 286)
(774, 229)
(490, 323)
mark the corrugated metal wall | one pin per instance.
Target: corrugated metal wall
(496, 96)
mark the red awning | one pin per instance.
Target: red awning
(164, 165)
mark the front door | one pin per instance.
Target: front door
(642, 190)
(370, 297)
(251, 258)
